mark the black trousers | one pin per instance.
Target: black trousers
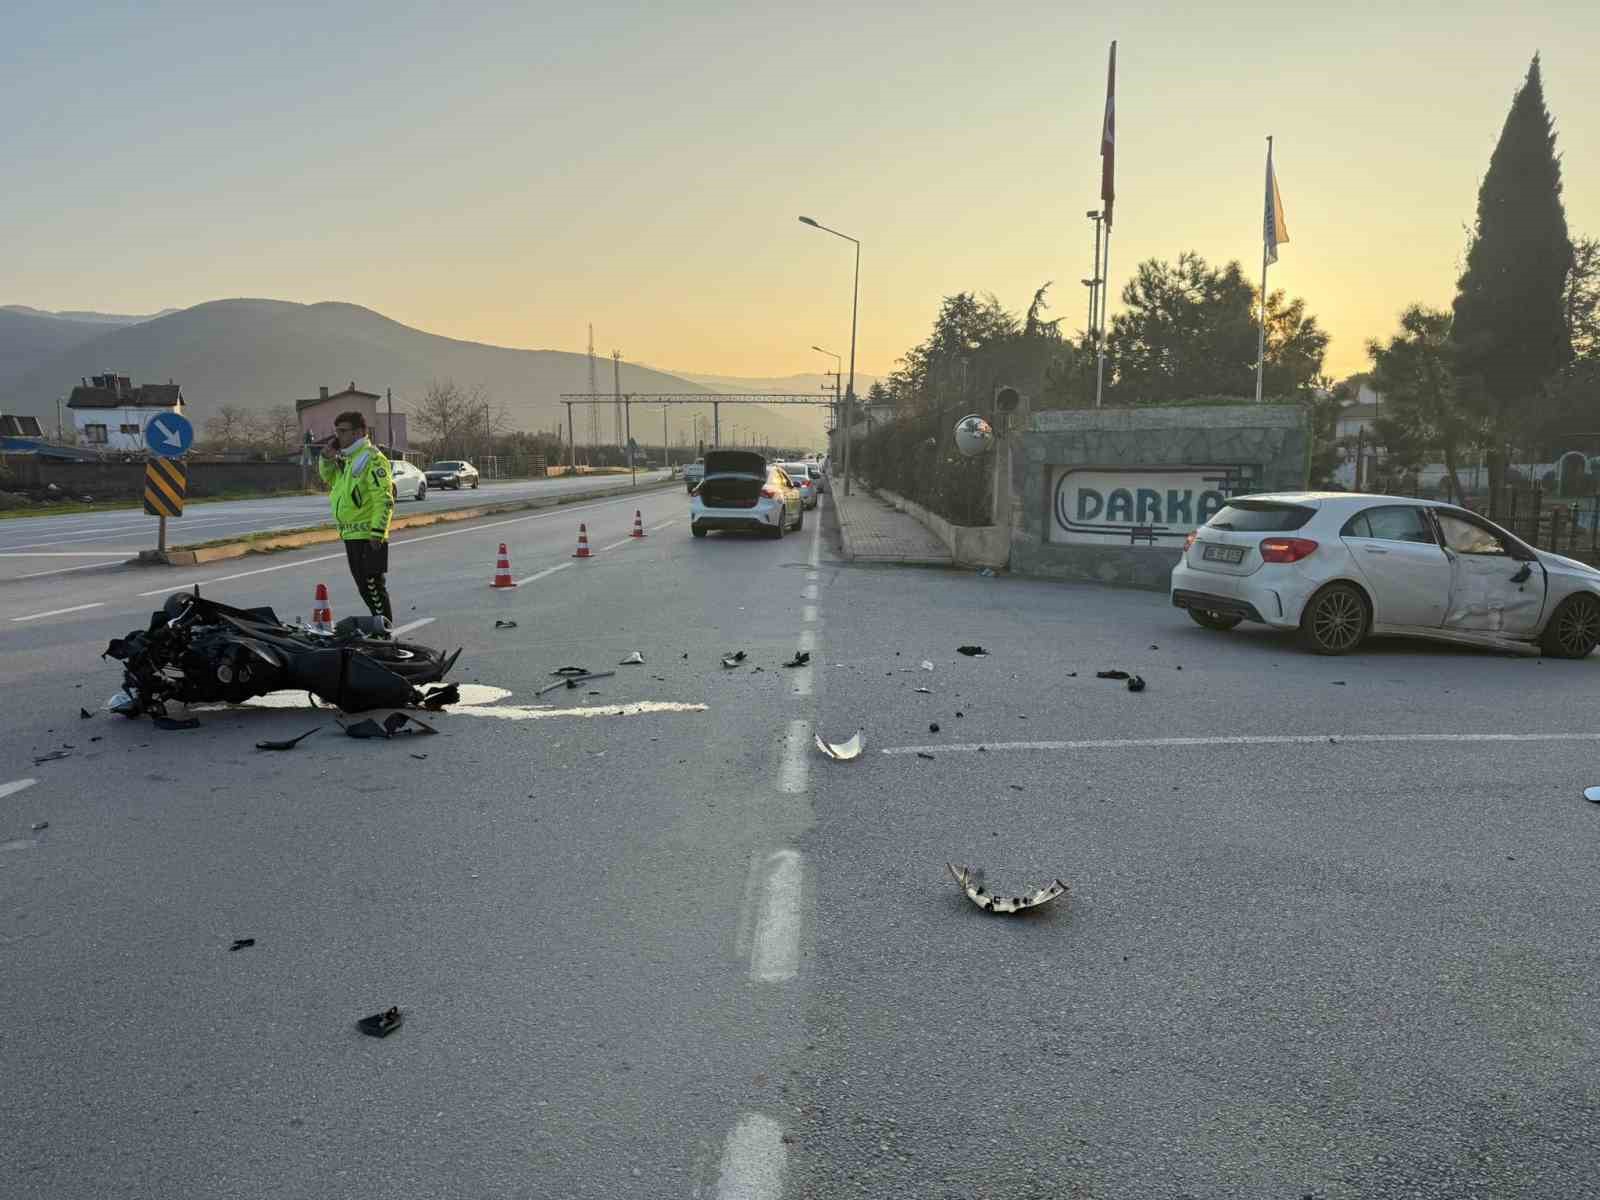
(369, 563)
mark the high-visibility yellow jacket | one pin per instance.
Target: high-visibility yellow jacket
(361, 489)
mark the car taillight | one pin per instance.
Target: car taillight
(1188, 542)
(1286, 550)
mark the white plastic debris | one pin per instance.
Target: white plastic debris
(844, 751)
(970, 880)
(122, 704)
(1592, 795)
(926, 665)
(633, 660)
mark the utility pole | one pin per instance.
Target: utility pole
(60, 432)
(616, 391)
(389, 395)
(594, 388)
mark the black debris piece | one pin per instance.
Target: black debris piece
(972, 651)
(381, 1024)
(571, 671)
(1136, 683)
(419, 757)
(505, 624)
(1015, 787)
(933, 727)
(572, 681)
(959, 714)
(241, 943)
(1074, 674)
(437, 698)
(394, 725)
(1179, 668)
(1112, 674)
(288, 745)
(94, 739)
(1339, 683)
(800, 659)
(38, 825)
(924, 691)
(172, 723)
(84, 714)
(53, 756)
(924, 754)
(1153, 646)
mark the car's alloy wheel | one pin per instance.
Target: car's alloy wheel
(422, 491)
(1335, 620)
(1575, 629)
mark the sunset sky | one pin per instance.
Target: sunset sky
(509, 174)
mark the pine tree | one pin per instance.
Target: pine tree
(1510, 328)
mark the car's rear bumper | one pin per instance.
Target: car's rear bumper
(767, 515)
(1231, 606)
(1249, 596)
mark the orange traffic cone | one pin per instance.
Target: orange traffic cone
(502, 570)
(583, 542)
(638, 525)
(321, 611)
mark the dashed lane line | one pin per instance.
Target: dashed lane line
(410, 625)
(775, 954)
(753, 1160)
(56, 612)
(1308, 739)
(537, 575)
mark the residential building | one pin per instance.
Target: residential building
(318, 412)
(109, 413)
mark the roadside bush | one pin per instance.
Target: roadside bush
(916, 457)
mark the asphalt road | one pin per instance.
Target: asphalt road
(675, 952)
(45, 547)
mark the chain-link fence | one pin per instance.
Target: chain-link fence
(916, 457)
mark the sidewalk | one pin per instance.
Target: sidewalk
(874, 532)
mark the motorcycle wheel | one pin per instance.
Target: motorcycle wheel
(418, 664)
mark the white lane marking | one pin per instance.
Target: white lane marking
(427, 537)
(753, 1160)
(614, 545)
(809, 592)
(1263, 740)
(15, 786)
(56, 612)
(808, 614)
(816, 542)
(795, 768)
(803, 685)
(514, 712)
(663, 525)
(104, 562)
(417, 624)
(541, 574)
(775, 956)
(808, 640)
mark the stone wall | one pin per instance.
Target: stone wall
(105, 481)
(1269, 442)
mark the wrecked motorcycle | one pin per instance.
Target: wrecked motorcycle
(197, 651)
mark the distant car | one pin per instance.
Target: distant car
(819, 477)
(1339, 566)
(800, 474)
(742, 491)
(452, 474)
(409, 481)
(693, 474)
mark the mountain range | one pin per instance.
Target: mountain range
(259, 354)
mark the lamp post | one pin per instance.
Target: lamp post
(850, 388)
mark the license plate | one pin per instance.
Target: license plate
(1224, 554)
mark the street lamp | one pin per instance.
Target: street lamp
(850, 389)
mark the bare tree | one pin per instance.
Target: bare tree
(231, 427)
(280, 430)
(457, 422)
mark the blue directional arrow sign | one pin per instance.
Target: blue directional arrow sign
(168, 435)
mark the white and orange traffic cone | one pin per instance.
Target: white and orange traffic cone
(321, 610)
(638, 525)
(583, 542)
(502, 570)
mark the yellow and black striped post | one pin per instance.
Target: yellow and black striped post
(166, 481)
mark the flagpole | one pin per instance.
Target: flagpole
(1100, 366)
(1261, 340)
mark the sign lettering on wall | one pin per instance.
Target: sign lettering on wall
(1107, 504)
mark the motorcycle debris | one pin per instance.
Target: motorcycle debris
(924, 754)
(924, 691)
(933, 727)
(381, 1024)
(38, 825)
(288, 745)
(844, 751)
(438, 697)
(394, 725)
(970, 880)
(800, 659)
(972, 651)
(122, 704)
(635, 659)
(1592, 795)
(172, 723)
(505, 624)
(419, 757)
(1136, 683)
(53, 756)
(572, 681)
(84, 714)
(1113, 674)
(241, 943)
(571, 671)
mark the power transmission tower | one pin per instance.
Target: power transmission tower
(616, 384)
(594, 386)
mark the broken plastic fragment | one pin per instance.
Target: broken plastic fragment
(381, 1024)
(844, 751)
(241, 943)
(51, 757)
(972, 651)
(38, 825)
(122, 704)
(1113, 674)
(393, 725)
(633, 660)
(419, 757)
(925, 691)
(924, 754)
(800, 659)
(288, 745)
(1136, 683)
(570, 671)
(438, 697)
(730, 662)
(933, 727)
(926, 665)
(970, 880)
(1592, 795)
(505, 624)
(84, 714)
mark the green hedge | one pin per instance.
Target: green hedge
(916, 457)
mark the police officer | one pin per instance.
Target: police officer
(361, 490)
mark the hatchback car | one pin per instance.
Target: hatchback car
(799, 474)
(1337, 567)
(452, 474)
(409, 481)
(742, 491)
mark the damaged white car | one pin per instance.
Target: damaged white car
(1338, 567)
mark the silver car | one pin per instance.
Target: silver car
(1337, 567)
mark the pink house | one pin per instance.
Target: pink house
(317, 414)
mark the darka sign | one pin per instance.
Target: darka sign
(1105, 505)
